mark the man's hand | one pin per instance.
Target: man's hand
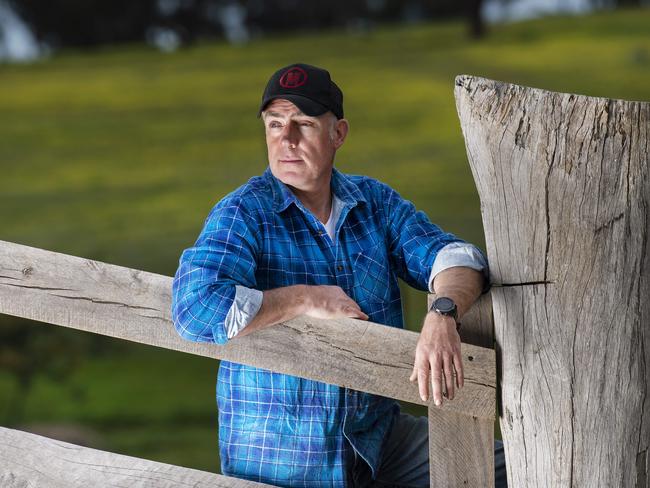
(286, 303)
(438, 354)
(331, 302)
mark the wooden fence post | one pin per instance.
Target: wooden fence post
(461, 450)
(565, 197)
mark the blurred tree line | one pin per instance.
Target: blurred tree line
(82, 23)
(171, 23)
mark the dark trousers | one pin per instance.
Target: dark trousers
(405, 459)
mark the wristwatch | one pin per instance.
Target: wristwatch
(446, 306)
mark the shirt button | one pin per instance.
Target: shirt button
(340, 267)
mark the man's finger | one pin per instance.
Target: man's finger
(449, 376)
(460, 375)
(414, 373)
(423, 380)
(360, 313)
(355, 312)
(436, 379)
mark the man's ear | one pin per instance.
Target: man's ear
(341, 129)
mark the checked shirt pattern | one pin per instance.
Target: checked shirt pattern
(281, 429)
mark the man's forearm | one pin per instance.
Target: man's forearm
(278, 305)
(286, 303)
(463, 285)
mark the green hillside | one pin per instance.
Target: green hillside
(118, 155)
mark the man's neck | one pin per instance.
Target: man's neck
(318, 203)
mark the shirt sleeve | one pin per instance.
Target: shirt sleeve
(245, 306)
(460, 254)
(204, 288)
(413, 240)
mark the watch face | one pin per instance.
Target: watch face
(444, 305)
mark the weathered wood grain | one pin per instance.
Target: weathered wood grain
(565, 198)
(461, 450)
(135, 306)
(31, 460)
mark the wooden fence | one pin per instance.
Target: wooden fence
(564, 182)
(135, 305)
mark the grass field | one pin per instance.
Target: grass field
(118, 155)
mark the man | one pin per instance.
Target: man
(304, 238)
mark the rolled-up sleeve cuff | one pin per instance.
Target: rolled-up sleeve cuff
(244, 307)
(460, 254)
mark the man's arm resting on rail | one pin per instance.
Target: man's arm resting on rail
(282, 304)
(438, 350)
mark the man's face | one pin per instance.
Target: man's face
(301, 148)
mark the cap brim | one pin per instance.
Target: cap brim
(306, 105)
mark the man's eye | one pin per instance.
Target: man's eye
(274, 125)
(306, 124)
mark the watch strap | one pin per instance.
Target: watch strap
(446, 306)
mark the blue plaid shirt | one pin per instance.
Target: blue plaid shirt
(281, 429)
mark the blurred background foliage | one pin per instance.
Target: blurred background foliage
(117, 153)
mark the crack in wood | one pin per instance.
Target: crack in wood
(478, 383)
(106, 302)
(159, 317)
(521, 135)
(320, 338)
(396, 366)
(609, 223)
(641, 469)
(523, 283)
(639, 313)
(361, 358)
(44, 288)
(546, 196)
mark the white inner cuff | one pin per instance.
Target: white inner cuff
(245, 306)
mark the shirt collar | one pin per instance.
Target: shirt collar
(342, 186)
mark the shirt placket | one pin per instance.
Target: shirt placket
(341, 273)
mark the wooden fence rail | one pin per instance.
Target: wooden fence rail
(32, 460)
(135, 305)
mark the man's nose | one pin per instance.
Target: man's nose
(289, 134)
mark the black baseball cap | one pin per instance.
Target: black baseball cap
(309, 88)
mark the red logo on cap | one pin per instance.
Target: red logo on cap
(293, 78)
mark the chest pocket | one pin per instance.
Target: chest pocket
(372, 277)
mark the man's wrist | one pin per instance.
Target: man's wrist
(433, 320)
(446, 307)
(301, 299)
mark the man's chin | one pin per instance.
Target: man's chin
(296, 184)
(291, 178)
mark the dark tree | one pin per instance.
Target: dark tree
(475, 18)
(86, 22)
